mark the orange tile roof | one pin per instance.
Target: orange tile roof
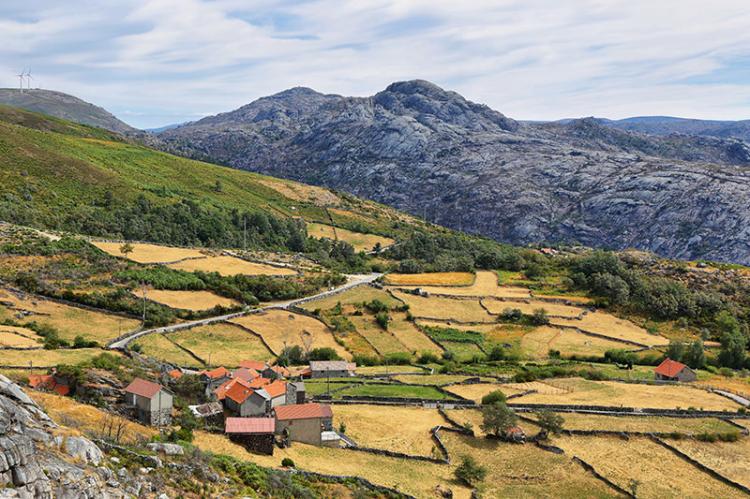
(61, 389)
(245, 373)
(276, 388)
(258, 365)
(259, 382)
(41, 381)
(303, 411)
(670, 368)
(175, 374)
(221, 391)
(219, 372)
(238, 392)
(143, 388)
(249, 425)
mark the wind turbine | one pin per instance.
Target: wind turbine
(28, 79)
(20, 80)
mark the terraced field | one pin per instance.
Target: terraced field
(19, 337)
(608, 325)
(529, 306)
(281, 328)
(431, 279)
(196, 301)
(47, 358)
(69, 321)
(222, 344)
(383, 341)
(690, 426)
(730, 459)
(360, 241)
(659, 472)
(537, 343)
(485, 285)
(149, 253)
(159, 347)
(230, 266)
(410, 336)
(360, 294)
(476, 391)
(436, 307)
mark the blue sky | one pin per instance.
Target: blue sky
(155, 62)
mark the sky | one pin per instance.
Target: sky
(157, 62)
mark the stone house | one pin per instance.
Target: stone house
(671, 370)
(255, 434)
(295, 393)
(332, 369)
(214, 378)
(304, 422)
(151, 402)
(245, 401)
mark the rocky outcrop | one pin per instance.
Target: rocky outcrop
(432, 153)
(36, 463)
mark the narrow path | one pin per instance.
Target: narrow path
(352, 282)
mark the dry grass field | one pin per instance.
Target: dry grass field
(538, 342)
(485, 285)
(529, 306)
(48, 358)
(614, 394)
(474, 418)
(222, 344)
(578, 300)
(160, 348)
(188, 300)
(69, 321)
(360, 241)
(87, 419)
(360, 294)
(731, 459)
(431, 379)
(543, 387)
(410, 336)
(660, 473)
(383, 341)
(526, 471)
(280, 328)
(657, 424)
(613, 327)
(417, 478)
(431, 279)
(377, 370)
(149, 253)
(436, 307)
(300, 192)
(407, 429)
(19, 337)
(229, 266)
(476, 391)
(745, 423)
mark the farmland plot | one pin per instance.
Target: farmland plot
(281, 328)
(529, 306)
(474, 419)
(538, 342)
(188, 300)
(660, 473)
(407, 429)
(476, 391)
(230, 266)
(383, 341)
(613, 327)
(431, 379)
(360, 294)
(485, 285)
(19, 337)
(149, 253)
(47, 358)
(159, 347)
(222, 344)
(431, 279)
(436, 307)
(731, 459)
(410, 336)
(359, 240)
(614, 394)
(645, 424)
(69, 321)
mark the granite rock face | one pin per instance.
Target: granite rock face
(33, 461)
(432, 153)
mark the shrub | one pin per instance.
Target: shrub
(492, 397)
(398, 358)
(427, 358)
(497, 353)
(325, 353)
(498, 418)
(539, 317)
(470, 472)
(382, 318)
(550, 422)
(366, 360)
(287, 463)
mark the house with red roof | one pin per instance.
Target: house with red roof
(244, 401)
(49, 383)
(255, 434)
(671, 370)
(309, 423)
(213, 378)
(277, 391)
(256, 365)
(151, 402)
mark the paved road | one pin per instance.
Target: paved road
(352, 281)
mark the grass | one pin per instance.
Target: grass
(409, 335)
(47, 358)
(222, 344)
(360, 241)
(431, 379)
(389, 390)
(529, 306)
(230, 266)
(476, 391)
(615, 394)
(613, 327)
(360, 294)
(159, 347)
(383, 341)
(69, 321)
(474, 418)
(149, 253)
(689, 426)
(431, 279)
(485, 285)
(375, 370)
(19, 337)
(462, 351)
(280, 328)
(537, 343)
(731, 459)
(89, 420)
(407, 431)
(188, 300)
(435, 307)
(660, 473)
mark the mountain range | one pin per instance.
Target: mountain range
(433, 153)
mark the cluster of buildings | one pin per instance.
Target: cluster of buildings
(261, 404)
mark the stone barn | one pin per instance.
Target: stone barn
(151, 401)
(305, 423)
(255, 434)
(671, 370)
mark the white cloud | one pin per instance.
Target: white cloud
(157, 61)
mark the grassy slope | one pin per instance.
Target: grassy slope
(49, 165)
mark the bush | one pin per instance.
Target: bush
(366, 360)
(382, 318)
(497, 353)
(492, 397)
(398, 358)
(427, 358)
(539, 317)
(325, 353)
(287, 463)
(550, 422)
(470, 472)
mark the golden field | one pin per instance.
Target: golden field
(539, 341)
(19, 337)
(474, 418)
(614, 394)
(149, 253)
(657, 424)
(431, 279)
(436, 307)
(301, 192)
(187, 300)
(383, 341)
(410, 336)
(613, 327)
(529, 306)
(485, 285)
(49, 358)
(69, 321)
(476, 391)
(660, 473)
(731, 459)
(281, 328)
(360, 294)
(222, 344)
(159, 347)
(360, 241)
(230, 266)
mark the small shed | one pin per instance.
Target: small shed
(331, 369)
(214, 378)
(671, 370)
(304, 422)
(151, 402)
(255, 434)
(295, 393)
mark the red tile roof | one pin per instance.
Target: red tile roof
(239, 391)
(303, 411)
(175, 374)
(250, 425)
(41, 381)
(276, 388)
(62, 389)
(143, 388)
(219, 372)
(221, 390)
(258, 365)
(245, 373)
(259, 382)
(670, 368)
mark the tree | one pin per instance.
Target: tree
(695, 356)
(325, 353)
(676, 350)
(126, 249)
(498, 418)
(733, 341)
(550, 422)
(382, 319)
(539, 317)
(469, 471)
(493, 397)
